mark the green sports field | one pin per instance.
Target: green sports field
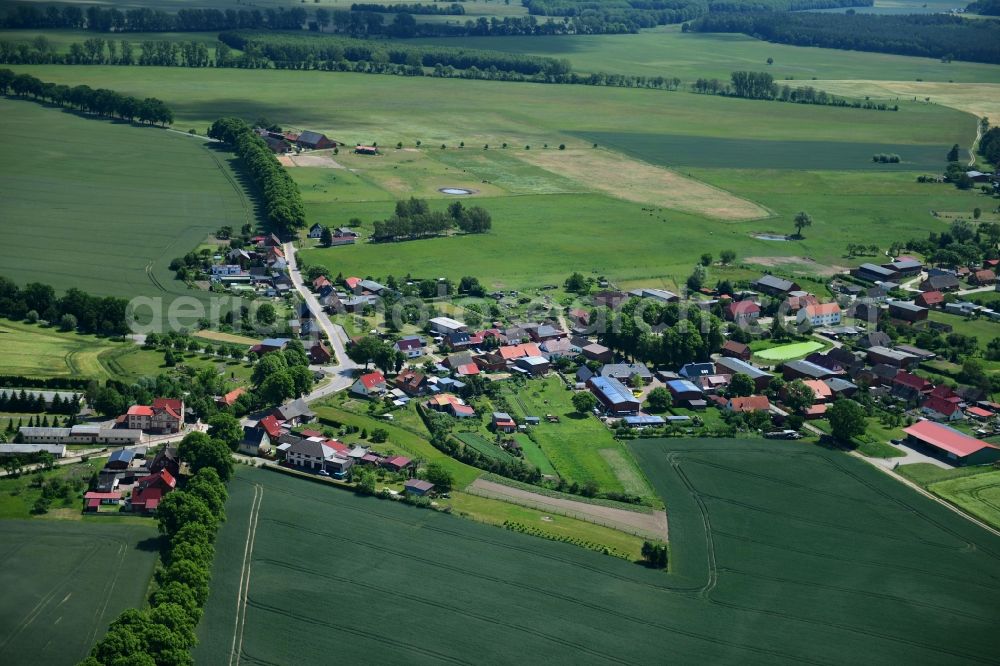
(786, 352)
(781, 553)
(64, 581)
(105, 206)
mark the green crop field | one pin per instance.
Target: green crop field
(781, 553)
(576, 192)
(33, 351)
(678, 150)
(64, 581)
(105, 206)
(668, 52)
(978, 494)
(787, 352)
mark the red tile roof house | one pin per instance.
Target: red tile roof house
(411, 382)
(979, 413)
(396, 463)
(149, 490)
(320, 282)
(820, 314)
(909, 386)
(93, 500)
(742, 312)
(370, 384)
(165, 415)
(940, 409)
(229, 399)
(753, 403)
(951, 444)
(929, 299)
(271, 426)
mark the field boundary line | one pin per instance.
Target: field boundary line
(244, 586)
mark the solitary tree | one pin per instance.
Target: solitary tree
(953, 153)
(439, 476)
(798, 396)
(847, 419)
(741, 385)
(326, 237)
(658, 400)
(802, 220)
(584, 402)
(727, 257)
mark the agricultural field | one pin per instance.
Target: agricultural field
(979, 495)
(105, 206)
(33, 351)
(64, 581)
(984, 330)
(666, 51)
(664, 220)
(783, 574)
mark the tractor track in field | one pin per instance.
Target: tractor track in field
(243, 594)
(363, 633)
(247, 214)
(582, 603)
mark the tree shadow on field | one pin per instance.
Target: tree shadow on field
(243, 180)
(151, 544)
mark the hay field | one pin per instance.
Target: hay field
(622, 177)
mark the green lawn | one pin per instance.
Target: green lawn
(984, 330)
(978, 495)
(781, 553)
(580, 448)
(63, 582)
(105, 206)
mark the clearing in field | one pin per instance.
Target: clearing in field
(652, 524)
(63, 582)
(978, 494)
(782, 553)
(105, 206)
(788, 352)
(625, 178)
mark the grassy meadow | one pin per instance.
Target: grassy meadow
(64, 581)
(105, 206)
(767, 566)
(979, 495)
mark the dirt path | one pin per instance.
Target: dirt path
(633, 522)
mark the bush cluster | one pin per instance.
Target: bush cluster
(534, 531)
